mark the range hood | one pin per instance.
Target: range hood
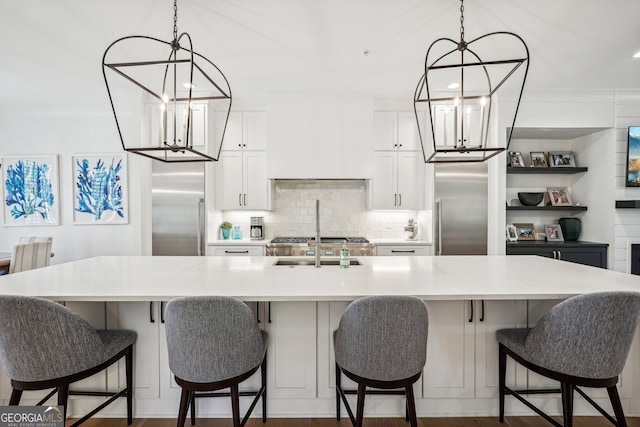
(320, 136)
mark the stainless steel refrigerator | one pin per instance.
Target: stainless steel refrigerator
(178, 209)
(460, 209)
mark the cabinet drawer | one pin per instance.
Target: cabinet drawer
(402, 250)
(236, 250)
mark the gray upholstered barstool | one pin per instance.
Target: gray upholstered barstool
(581, 342)
(45, 345)
(381, 342)
(215, 343)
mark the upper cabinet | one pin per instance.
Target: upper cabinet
(245, 131)
(242, 171)
(395, 131)
(398, 168)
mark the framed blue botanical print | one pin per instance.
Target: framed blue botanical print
(100, 190)
(30, 190)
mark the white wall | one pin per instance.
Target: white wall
(67, 133)
(626, 221)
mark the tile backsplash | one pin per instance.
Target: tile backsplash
(343, 212)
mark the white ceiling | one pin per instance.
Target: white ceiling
(51, 51)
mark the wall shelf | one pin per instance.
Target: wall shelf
(546, 208)
(549, 170)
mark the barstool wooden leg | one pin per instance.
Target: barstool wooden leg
(617, 406)
(567, 404)
(411, 405)
(185, 398)
(338, 385)
(360, 410)
(63, 398)
(193, 407)
(235, 405)
(16, 395)
(129, 375)
(263, 371)
(502, 372)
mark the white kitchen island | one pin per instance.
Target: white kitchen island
(469, 297)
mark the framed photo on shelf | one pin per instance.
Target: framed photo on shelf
(512, 234)
(559, 196)
(538, 159)
(525, 231)
(562, 159)
(554, 233)
(633, 157)
(515, 159)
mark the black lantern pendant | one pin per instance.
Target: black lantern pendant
(178, 90)
(459, 89)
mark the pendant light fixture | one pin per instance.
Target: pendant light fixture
(175, 91)
(458, 89)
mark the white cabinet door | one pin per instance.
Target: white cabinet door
(488, 318)
(410, 181)
(292, 374)
(408, 137)
(385, 131)
(255, 194)
(384, 195)
(229, 185)
(398, 180)
(450, 368)
(254, 130)
(232, 133)
(143, 317)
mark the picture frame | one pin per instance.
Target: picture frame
(559, 196)
(100, 189)
(538, 159)
(553, 232)
(525, 231)
(633, 157)
(30, 190)
(562, 159)
(512, 234)
(515, 159)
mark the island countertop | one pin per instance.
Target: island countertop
(147, 278)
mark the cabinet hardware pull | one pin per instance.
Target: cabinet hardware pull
(408, 251)
(258, 311)
(482, 310)
(400, 199)
(161, 311)
(226, 251)
(239, 199)
(151, 319)
(471, 314)
(560, 255)
(245, 199)
(269, 304)
(395, 199)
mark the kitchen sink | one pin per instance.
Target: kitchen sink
(295, 262)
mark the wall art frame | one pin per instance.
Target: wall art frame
(100, 189)
(633, 157)
(30, 190)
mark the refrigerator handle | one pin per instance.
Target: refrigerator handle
(439, 227)
(200, 239)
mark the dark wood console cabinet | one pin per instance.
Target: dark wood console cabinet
(587, 253)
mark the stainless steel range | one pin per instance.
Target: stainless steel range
(329, 246)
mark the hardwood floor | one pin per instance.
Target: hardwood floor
(368, 422)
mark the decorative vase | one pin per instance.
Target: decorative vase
(226, 232)
(571, 228)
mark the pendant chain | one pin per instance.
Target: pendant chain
(175, 19)
(461, 20)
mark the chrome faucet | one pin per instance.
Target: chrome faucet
(317, 233)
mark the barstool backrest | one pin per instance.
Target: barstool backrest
(383, 338)
(41, 339)
(587, 336)
(212, 338)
